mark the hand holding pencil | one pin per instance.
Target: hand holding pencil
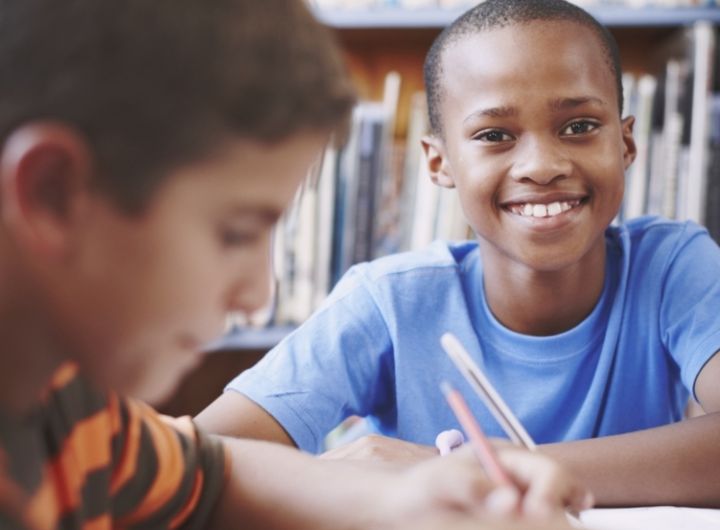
(485, 452)
(526, 483)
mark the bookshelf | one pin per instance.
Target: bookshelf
(390, 38)
(437, 18)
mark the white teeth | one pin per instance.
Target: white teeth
(544, 210)
(554, 208)
(539, 210)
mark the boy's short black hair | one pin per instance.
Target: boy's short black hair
(153, 84)
(493, 14)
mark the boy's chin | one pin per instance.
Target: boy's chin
(158, 385)
(155, 392)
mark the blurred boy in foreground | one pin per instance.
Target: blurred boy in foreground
(148, 147)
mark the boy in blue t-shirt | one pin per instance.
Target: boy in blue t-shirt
(595, 335)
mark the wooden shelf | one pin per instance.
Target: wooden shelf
(438, 18)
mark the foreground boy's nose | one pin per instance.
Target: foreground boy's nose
(252, 291)
(540, 162)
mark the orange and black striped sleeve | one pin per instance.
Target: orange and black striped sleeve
(166, 474)
(88, 460)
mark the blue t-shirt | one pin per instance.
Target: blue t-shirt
(373, 348)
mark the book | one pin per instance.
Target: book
(699, 108)
(638, 174)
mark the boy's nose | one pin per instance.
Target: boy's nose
(540, 161)
(253, 287)
(252, 296)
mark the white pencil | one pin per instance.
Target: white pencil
(482, 386)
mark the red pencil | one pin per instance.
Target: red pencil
(480, 444)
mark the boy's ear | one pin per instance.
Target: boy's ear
(45, 171)
(629, 148)
(437, 161)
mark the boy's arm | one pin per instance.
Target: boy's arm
(270, 486)
(235, 415)
(675, 464)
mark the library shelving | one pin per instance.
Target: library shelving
(380, 40)
(613, 16)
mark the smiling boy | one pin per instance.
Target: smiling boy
(595, 334)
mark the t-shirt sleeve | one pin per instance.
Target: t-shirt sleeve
(166, 473)
(333, 366)
(690, 307)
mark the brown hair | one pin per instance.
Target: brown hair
(153, 84)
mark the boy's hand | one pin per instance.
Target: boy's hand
(457, 483)
(382, 449)
(545, 485)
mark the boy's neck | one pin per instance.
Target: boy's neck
(27, 358)
(544, 303)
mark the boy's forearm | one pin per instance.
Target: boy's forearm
(270, 486)
(676, 464)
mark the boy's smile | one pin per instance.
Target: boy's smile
(533, 141)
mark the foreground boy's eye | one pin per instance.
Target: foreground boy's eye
(234, 238)
(493, 136)
(579, 127)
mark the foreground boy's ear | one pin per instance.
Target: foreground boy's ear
(44, 172)
(629, 149)
(437, 161)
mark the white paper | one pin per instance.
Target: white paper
(652, 518)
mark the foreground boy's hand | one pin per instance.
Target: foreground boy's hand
(456, 481)
(375, 447)
(319, 493)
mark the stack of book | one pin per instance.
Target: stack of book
(676, 122)
(366, 199)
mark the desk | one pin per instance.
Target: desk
(654, 518)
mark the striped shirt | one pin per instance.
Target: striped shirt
(90, 461)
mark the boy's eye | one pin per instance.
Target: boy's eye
(235, 238)
(579, 127)
(493, 136)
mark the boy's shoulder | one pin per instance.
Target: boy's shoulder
(438, 255)
(650, 245)
(655, 232)
(438, 262)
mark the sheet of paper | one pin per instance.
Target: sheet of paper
(655, 518)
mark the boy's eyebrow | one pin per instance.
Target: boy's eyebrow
(493, 112)
(556, 104)
(571, 103)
